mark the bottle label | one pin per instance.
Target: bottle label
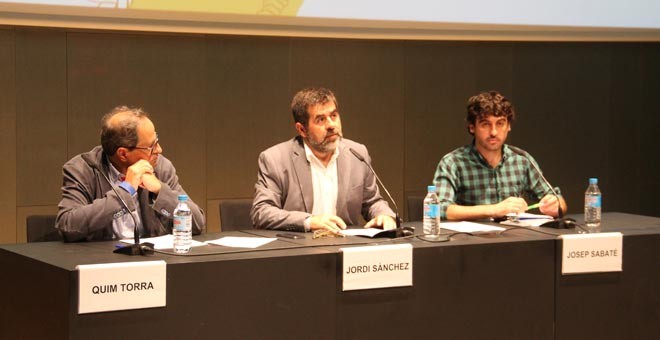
(431, 210)
(593, 201)
(182, 223)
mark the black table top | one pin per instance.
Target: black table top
(69, 255)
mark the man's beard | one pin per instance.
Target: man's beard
(325, 145)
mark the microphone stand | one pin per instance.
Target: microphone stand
(399, 231)
(137, 248)
(560, 222)
(145, 248)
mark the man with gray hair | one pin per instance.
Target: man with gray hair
(126, 169)
(313, 181)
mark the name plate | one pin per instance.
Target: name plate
(592, 253)
(119, 286)
(377, 266)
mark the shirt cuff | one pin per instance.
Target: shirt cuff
(129, 188)
(307, 223)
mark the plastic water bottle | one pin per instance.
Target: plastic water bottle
(592, 206)
(182, 229)
(431, 221)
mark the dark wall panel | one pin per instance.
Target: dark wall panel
(165, 75)
(367, 78)
(626, 98)
(41, 105)
(8, 190)
(648, 161)
(561, 96)
(494, 66)
(248, 109)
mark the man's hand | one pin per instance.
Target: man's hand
(549, 205)
(384, 221)
(135, 172)
(514, 205)
(151, 183)
(326, 221)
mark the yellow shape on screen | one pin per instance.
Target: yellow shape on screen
(260, 7)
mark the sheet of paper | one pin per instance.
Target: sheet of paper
(370, 232)
(242, 242)
(528, 216)
(526, 222)
(470, 227)
(162, 242)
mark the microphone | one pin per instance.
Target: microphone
(137, 248)
(399, 231)
(560, 222)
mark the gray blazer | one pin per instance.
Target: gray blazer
(88, 204)
(283, 193)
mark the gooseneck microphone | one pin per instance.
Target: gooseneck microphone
(136, 248)
(560, 222)
(406, 231)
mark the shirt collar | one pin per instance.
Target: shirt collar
(114, 174)
(506, 153)
(311, 157)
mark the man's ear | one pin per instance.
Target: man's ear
(471, 128)
(301, 130)
(122, 154)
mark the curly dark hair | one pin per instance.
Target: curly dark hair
(489, 103)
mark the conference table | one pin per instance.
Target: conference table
(493, 286)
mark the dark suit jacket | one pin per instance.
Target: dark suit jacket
(283, 192)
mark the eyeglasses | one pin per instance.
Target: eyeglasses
(151, 148)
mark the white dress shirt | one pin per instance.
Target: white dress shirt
(324, 184)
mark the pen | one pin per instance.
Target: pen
(533, 206)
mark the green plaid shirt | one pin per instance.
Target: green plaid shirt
(464, 177)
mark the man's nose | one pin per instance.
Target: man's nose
(332, 123)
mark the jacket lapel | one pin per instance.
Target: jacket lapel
(303, 173)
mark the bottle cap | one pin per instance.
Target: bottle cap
(431, 188)
(183, 198)
(593, 180)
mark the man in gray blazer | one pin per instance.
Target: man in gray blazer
(313, 181)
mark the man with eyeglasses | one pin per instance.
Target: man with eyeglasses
(128, 159)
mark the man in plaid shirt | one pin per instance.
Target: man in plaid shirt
(486, 179)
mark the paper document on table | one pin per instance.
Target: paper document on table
(526, 223)
(242, 242)
(162, 242)
(527, 216)
(526, 220)
(470, 227)
(368, 232)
